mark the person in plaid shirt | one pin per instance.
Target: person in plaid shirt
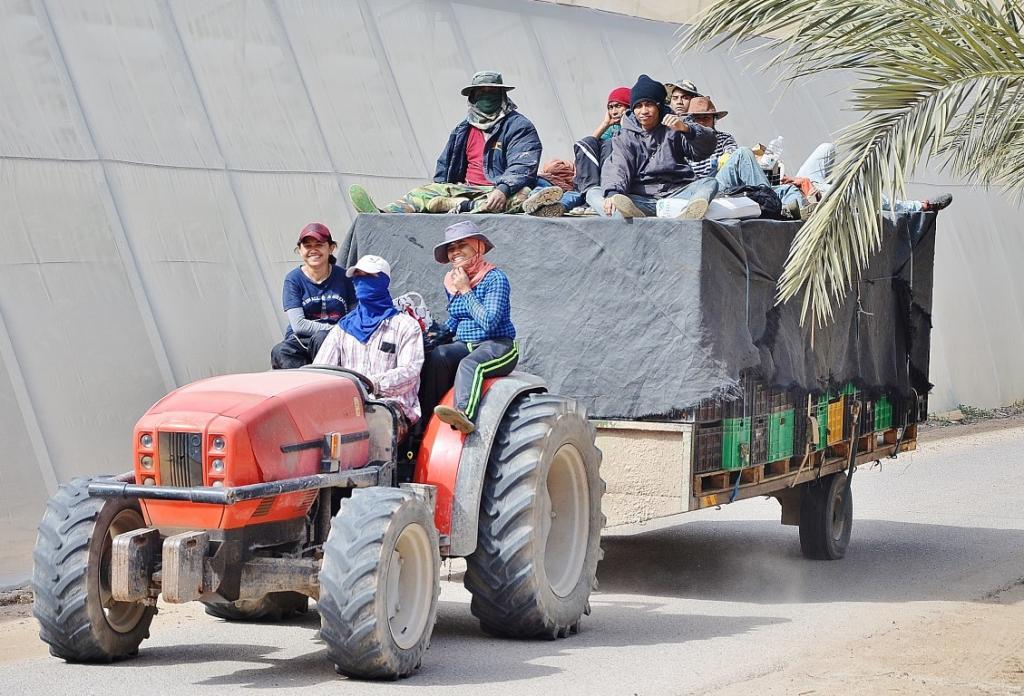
(479, 319)
(377, 340)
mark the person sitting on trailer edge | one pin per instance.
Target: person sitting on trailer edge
(377, 340)
(479, 317)
(650, 160)
(489, 164)
(316, 296)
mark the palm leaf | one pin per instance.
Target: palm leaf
(940, 81)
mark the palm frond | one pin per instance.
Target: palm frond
(940, 80)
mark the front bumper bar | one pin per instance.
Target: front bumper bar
(358, 478)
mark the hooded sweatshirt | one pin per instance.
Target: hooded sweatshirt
(654, 163)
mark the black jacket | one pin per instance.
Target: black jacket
(654, 163)
(511, 154)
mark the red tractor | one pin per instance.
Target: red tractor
(252, 493)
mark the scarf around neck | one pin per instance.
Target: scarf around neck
(373, 305)
(484, 121)
(475, 269)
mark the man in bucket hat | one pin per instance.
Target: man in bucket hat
(702, 110)
(680, 93)
(489, 164)
(479, 317)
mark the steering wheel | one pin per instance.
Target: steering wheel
(366, 381)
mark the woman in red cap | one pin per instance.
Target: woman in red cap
(316, 296)
(593, 150)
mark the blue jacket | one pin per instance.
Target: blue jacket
(511, 154)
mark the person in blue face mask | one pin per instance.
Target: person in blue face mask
(377, 340)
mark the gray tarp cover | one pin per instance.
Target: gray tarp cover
(645, 318)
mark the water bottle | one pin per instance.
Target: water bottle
(775, 147)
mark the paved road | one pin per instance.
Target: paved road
(688, 605)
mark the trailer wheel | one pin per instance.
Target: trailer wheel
(826, 518)
(275, 606)
(379, 584)
(539, 538)
(71, 572)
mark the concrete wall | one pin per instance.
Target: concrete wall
(158, 156)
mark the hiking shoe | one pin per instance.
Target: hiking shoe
(938, 203)
(443, 204)
(694, 210)
(550, 210)
(361, 200)
(626, 207)
(538, 198)
(455, 418)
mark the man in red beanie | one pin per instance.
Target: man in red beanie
(593, 150)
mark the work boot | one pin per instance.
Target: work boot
(541, 197)
(443, 204)
(626, 207)
(455, 418)
(938, 203)
(361, 200)
(550, 210)
(694, 210)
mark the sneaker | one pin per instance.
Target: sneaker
(938, 203)
(626, 207)
(361, 200)
(442, 204)
(541, 197)
(580, 211)
(550, 210)
(455, 418)
(694, 210)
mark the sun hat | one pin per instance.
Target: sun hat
(703, 106)
(486, 78)
(460, 230)
(685, 85)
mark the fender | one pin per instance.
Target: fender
(456, 464)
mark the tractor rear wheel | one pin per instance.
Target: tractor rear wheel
(275, 606)
(539, 540)
(71, 572)
(379, 584)
(826, 518)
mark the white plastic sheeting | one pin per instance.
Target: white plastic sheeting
(157, 158)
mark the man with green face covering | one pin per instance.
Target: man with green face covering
(488, 166)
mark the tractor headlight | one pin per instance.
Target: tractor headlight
(218, 443)
(217, 465)
(146, 461)
(149, 481)
(218, 484)
(146, 441)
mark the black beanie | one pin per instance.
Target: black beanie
(647, 89)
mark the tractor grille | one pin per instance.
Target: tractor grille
(181, 459)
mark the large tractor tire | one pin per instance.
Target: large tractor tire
(275, 606)
(379, 584)
(826, 518)
(77, 616)
(539, 540)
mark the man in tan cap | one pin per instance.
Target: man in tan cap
(489, 164)
(701, 109)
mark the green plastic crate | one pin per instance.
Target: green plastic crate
(821, 411)
(780, 435)
(849, 390)
(735, 443)
(883, 414)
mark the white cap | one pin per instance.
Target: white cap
(370, 264)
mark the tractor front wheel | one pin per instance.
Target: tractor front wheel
(538, 543)
(379, 584)
(77, 615)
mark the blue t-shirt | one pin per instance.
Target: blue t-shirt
(328, 301)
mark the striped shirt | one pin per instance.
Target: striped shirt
(395, 372)
(724, 142)
(483, 313)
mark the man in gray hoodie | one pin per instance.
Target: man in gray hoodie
(651, 158)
